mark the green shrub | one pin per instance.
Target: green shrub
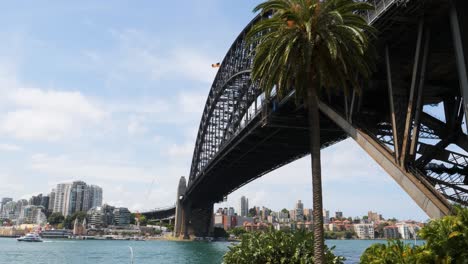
(277, 247)
(395, 251)
(447, 238)
(446, 243)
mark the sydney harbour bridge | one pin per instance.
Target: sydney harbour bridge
(411, 117)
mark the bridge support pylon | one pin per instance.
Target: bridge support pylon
(179, 214)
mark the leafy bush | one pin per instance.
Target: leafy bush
(237, 231)
(446, 242)
(395, 251)
(277, 247)
(447, 238)
(220, 232)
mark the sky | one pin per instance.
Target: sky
(111, 93)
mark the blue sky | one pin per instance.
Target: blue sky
(111, 92)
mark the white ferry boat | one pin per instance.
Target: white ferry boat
(31, 237)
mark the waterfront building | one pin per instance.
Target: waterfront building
(407, 230)
(101, 216)
(364, 231)
(391, 232)
(404, 230)
(299, 211)
(32, 214)
(61, 233)
(243, 206)
(122, 216)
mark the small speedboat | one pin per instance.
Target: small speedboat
(31, 237)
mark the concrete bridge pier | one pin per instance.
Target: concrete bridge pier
(191, 220)
(179, 214)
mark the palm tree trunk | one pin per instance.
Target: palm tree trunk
(314, 134)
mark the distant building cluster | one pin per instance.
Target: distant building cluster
(370, 226)
(65, 198)
(23, 211)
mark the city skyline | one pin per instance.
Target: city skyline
(89, 97)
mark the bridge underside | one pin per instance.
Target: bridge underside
(409, 117)
(160, 214)
(268, 142)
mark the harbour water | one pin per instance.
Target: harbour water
(145, 252)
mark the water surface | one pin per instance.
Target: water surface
(160, 252)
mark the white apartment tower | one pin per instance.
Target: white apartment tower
(62, 198)
(75, 197)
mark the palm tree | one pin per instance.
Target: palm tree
(310, 45)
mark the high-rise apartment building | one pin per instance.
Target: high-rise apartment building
(3, 202)
(45, 202)
(35, 200)
(62, 198)
(70, 198)
(243, 206)
(326, 216)
(92, 197)
(299, 210)
(50, 208)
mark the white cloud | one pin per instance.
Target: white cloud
(136, 126)
(183, 151)
(64, 166)
(139, 52)
(192, 103)
(9, 147)
(37, 114)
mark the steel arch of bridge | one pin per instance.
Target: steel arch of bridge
(233, 93)
(234, 101)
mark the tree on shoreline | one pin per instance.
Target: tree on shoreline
(309, 46)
